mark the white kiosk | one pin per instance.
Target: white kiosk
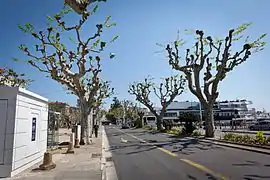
(23, 129)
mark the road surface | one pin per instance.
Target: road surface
(140, 155)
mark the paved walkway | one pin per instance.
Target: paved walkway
(85, 164)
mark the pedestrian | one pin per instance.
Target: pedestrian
(96, 130)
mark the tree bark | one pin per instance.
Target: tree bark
(209, 121)
(159, 123)
(88, 128)
(84, 120)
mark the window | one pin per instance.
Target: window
(170, 114)
(34, 129)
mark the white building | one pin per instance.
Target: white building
(23, 129)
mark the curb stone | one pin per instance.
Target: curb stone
(107, 168)
(242, 147)
(243, 132)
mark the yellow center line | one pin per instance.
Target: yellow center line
(191, 163)
(203, 168)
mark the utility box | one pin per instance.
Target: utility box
(23, 129)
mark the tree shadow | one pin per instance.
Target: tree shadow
(116, 147)
(210, 176)
(191, 177)
(247, 163)
(250, 176)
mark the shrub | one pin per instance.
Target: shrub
(188, 128)
(268, 140)
(196, 134)
(248, 139)
(238, 138)
(229, 137)
(260, 139)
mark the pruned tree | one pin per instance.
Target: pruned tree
(11, 78)
(215, 59)
(166, 93)
(103, 92)
(69, 65)
(80, 6)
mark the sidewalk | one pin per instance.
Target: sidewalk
(85, 164)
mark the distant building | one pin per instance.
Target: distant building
(223, 110)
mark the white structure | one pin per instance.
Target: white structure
(23, 129)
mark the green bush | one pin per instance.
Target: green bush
(260, 139)
(239, 138)
(268, 140)
(196, 134)
(248, 139)
(229, 137)
(173, 131)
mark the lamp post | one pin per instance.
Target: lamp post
(200, 104)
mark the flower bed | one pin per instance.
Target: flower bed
(258, 141)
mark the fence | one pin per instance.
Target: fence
(53, 130)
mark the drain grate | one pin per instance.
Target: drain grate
(96, 155)
(108, 159)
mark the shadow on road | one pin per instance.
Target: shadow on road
(209, 176)
(247, 163)
(182, 146)
(255, 177)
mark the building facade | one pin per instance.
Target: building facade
(223, 110)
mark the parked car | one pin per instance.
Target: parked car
(260, 126)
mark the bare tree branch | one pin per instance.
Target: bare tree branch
(205, 51)
(166, 93)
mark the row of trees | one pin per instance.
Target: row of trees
(78, 67)
(125, 111)
(204, 67)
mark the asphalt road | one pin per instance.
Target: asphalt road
(140, 155)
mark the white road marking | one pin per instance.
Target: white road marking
(123, 140)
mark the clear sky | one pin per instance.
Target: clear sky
(140, 25)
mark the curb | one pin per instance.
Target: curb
(242, 147)
(107, 167)
(244, 132)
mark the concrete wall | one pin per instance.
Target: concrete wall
(21, 150)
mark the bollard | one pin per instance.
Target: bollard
(82, 141)
(47, 162)
(78, 132)
(72, 138)
(77, 145)
(70, 149)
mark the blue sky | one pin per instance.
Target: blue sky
(140, 25)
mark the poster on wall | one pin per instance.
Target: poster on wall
(34, 123)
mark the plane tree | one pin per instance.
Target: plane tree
(10, 77)
(70, 64)
(209, 61)
(166, 92)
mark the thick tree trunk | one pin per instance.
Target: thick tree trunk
(142, 121)
(159, 123)
(209, 121)
(88, 128)
(83, 126)
(84, 121)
